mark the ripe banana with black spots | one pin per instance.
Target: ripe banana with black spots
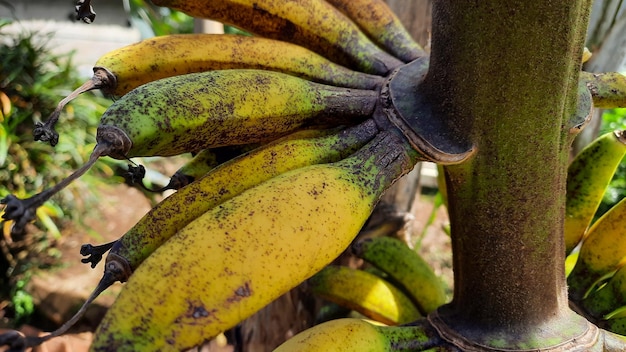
(602, 252)
(405, 268)
(314, 24)
(358, 335)
(380, 24)
(122, 70)
(241, 255)
(192, 112)
(588, 176)
(365, 293)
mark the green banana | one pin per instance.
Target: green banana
(587, 179)
(192, 112)
(313, 24)
(602, 252)
(358, 335)
(379, 23)
(122, 70)
(405, 268)
(244, 253)
(365, 293)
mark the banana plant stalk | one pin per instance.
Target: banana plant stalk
(505, 74)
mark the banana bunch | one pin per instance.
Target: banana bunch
(249, 250)
(406, 290)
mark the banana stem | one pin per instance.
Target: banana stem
(94, 253)
(45, 131)
(23, 211)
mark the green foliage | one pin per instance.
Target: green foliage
(152, 20)
(32, 82)
(614, 119)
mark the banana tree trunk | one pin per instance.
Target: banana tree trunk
(504, 75)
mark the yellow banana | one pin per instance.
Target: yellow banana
(365, 293)
(377, 20)
(246, 252)
(603, 251)
(588, 176)
(405, 268)
(358, 335)
(314, 24)
(122, 70)
(192, 112)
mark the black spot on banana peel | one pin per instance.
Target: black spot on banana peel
(405, 106)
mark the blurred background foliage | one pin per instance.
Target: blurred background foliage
(32, 82)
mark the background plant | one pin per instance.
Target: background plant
(32, 81)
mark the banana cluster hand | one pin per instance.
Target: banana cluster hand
(240, 255)
(309, 110)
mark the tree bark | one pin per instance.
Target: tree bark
(504, 75)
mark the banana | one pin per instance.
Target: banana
(607, 89)
(202, 163)
(379, 23)
(588, 176)
(358, 335)
(122, 70)
(314, 24)
(246, 252)
(601, 303)
(405, 268)
(365, 293)
(192, 112)
(602, 252)
(207, 159)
